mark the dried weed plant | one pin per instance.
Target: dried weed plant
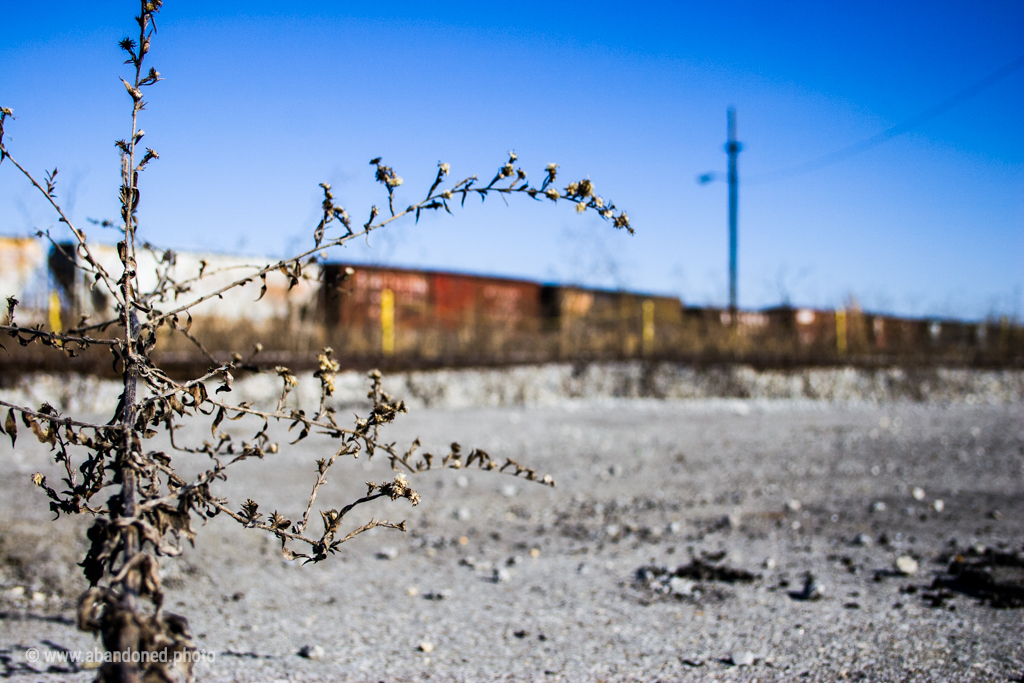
(149, 510)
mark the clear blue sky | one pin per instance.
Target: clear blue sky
(263, 103)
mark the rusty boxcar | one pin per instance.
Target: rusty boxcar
(373, 310)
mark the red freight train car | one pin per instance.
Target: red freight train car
(373, 310)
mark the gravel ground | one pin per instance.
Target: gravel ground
(632, 569)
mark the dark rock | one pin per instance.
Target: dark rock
(994, 577)
(812, 590)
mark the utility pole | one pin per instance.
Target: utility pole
(732, 148)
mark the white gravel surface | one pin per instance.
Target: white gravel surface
(553, 384)
(500, 579)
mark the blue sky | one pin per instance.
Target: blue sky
(262, 103)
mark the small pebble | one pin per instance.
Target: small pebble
(733, 519)
(426, 646)
(502, 575)
(680, 586)
(462, 482)
(509, 491)
(463, 514)
(794, 505)
(38, 597)
(387, 553)
(413, 591)
(312, 652)
(535, 552)
(18, 591)
(769, 563)
(938, 505)
(742, 658)
(878, 506)
(864, 540)
(918, 493)
(812, 589)
(906, 565)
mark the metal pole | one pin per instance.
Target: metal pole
(732, 148)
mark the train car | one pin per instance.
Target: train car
(379, 311)
(596, 323)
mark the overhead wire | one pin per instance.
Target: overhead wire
(889, 133)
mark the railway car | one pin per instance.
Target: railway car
(378, 311)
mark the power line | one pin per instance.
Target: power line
(889, 133)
